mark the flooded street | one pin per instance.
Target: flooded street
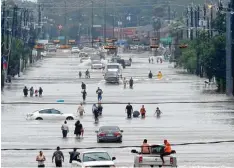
(188, 114)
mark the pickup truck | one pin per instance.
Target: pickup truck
(153, 159)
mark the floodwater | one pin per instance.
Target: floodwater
(189, 114)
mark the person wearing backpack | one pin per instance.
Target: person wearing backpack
(58, 155)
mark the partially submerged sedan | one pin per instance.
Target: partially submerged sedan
(49, 114)
(109, 134)
(96, 64)
(90, 159)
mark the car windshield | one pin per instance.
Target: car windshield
(112, 67)
(109, 128)
(75, 48)
(96, 156)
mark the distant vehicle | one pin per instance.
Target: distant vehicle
(91, 159)
(109, 134)
(44, 53)
(49, 114)
(114, 67)
(51, 48)
(153, 159)
(127, 63)
(75, 50)
(83, 59)
(96, 64)
(83, 54)
(112, 76)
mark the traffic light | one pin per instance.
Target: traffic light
(183, 46)
(154, 46)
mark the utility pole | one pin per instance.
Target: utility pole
(92, 24)
(195, 22)
(229, 59)
(169, 12)
(3, 28)
(187, 21)
(211, 20)
(39, 21)
(232, 26)
(191, 24)
(105, 22)
(204, 16)
(65, 22)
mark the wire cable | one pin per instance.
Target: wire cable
(168, 102)
(119, 147)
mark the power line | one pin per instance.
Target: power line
(118, 147)
(71, 103)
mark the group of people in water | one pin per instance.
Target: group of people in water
(151, 60)
(130, 82)
(87, 74)
(159, 75)
(32, 92)
(142, 112)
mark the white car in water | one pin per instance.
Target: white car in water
(75, 50)
(49, 114)
(90, 159)
(96, 64)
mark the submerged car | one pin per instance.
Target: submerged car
(83, 59)
(49, 114)
(96, 64)
(153, 158)
(109, 134)
(75, 50)
(51, 48)
(111, 76)
(90, 159)
(127, 62)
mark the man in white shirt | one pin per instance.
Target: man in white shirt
(65, 129)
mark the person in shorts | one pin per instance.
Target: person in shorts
(58, 155)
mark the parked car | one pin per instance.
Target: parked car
(109, 134)
(49, 114)
(90, 159)
(75, 50)
(96, 64)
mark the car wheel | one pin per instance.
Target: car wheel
(69, 118)
(98, 140)
(120, 141)
(39, 118)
